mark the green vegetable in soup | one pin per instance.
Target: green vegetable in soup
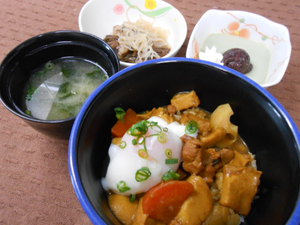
(65, 91)
(58, 89)
(95, 74)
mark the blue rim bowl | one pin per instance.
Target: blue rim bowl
(264, 124)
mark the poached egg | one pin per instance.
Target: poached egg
(139, 162)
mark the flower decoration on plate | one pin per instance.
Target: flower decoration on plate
(150, 8)
(151, 4)
(119, 9)
(241, 28)
(234, 28)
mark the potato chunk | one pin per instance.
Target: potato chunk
(222, 215)
(220, 118)
(140, 218)
(240, 159)
(239, 187)
(123, 208)
(185, 100)
(198, 206)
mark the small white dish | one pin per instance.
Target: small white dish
(267, 43)
(98, 17)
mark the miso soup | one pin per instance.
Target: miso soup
(58, 89)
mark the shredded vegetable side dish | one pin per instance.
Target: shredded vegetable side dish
(138, 41)
(179, 165)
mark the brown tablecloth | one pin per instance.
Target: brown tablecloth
(35, 186)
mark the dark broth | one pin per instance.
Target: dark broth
(58, 89)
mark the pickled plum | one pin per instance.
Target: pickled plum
(237, 59)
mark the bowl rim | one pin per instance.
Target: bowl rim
(72, 151)
(31, 41)
(259, 17)
(173, 50)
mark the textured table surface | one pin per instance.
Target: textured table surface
(35, 186)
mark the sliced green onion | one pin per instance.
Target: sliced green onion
(171, 161)
(132, 198)
(122, 186)
(154, 126)
(139, 129)
(142, 174)
(171, 175)
(168, 153)
(143, 153)
(49, 65)
(191, 127)
(134, 141)
(120, 113)
(162, 137)
(122, 145)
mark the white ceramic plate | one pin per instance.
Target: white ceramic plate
(248, 26)
(99, 16)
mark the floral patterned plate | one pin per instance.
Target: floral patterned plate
(257, 34)
(99, 16)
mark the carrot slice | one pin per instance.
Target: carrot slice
(121, 126)
(163, 202)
